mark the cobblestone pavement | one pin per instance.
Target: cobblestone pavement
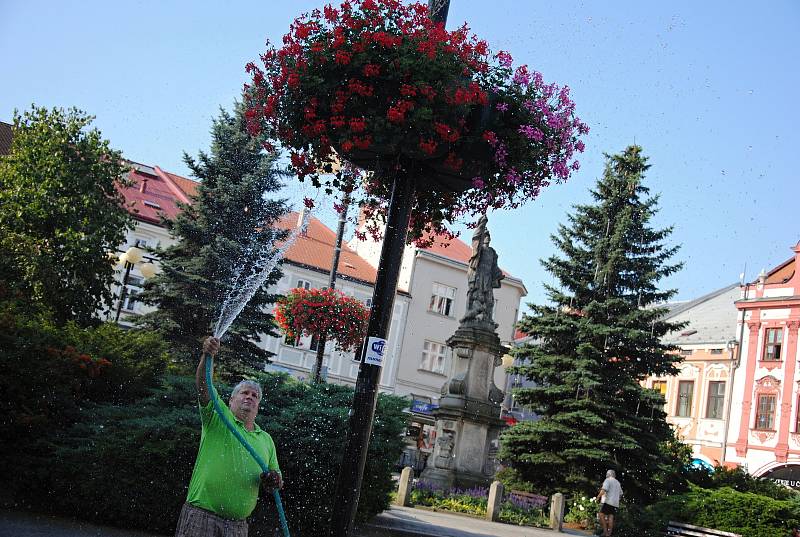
(410, 522)
(396, 522)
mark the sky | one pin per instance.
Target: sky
(708, 89)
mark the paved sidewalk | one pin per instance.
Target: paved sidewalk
(410, 522)
(20, 524)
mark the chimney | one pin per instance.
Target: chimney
(300, 216)
(143, 186)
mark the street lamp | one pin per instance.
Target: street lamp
(128, 260)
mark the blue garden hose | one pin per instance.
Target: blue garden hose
(232, 428)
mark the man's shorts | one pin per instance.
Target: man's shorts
(607, 509)
(196, 522)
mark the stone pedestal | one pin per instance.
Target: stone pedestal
(468, 420)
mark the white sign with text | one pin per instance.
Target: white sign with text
(376, 347)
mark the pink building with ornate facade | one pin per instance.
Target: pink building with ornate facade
(764, 427)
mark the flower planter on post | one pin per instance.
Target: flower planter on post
(327, 313)
(448, 129)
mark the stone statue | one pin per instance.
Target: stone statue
(483, 277)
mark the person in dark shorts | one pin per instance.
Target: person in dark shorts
(608, 496)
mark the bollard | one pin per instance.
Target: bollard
(556, 511)
(495, 501)
(404, 488)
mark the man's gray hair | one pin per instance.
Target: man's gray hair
(247, 382)
(610, 473)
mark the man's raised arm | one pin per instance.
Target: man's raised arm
(210, 346)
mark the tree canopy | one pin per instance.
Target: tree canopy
(593, 343)
(61, 213)
(229, 222)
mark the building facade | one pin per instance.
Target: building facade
(698, 397)
(764, 430)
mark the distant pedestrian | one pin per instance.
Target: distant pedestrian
(609, 495)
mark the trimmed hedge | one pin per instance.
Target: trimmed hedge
(130, 465)
(748, 514)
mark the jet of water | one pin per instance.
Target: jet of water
(240, 294)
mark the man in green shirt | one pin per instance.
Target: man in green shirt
(226, 479)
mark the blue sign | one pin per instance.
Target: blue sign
(422, 407)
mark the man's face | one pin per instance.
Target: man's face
(244, 403)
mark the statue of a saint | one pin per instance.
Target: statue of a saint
(483, 276)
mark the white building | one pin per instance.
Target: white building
(431, 295)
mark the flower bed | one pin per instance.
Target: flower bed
(381, 85)
(473, 501)
(323, 312)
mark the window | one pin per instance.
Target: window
(433, 357)
(139, 242)
(292, 341)
(765, 413)
(131, 299)
(442, 298)
(773, 338)
(368, 303)
(304, 284)
(686, 352)
(716, 351)
(132, 289)
(797, 417)
(660, 386)
(715, 405)
(314, 344)
(685, 393)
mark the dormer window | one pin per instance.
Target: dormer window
(152, 204)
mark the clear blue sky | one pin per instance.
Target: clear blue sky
(709, 89)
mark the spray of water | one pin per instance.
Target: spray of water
(241, 292)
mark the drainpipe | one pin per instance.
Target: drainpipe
(728, 397)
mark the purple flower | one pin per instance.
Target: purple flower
(503, 107)
(531, 132)
(521, 76)
(477, 182)
(512, 177)
(504, 58)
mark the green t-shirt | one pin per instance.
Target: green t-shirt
(226, 477)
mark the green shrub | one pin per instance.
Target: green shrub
(50, 372)
(738, 479)
(129, 465)
(582, 510)
(723, 509)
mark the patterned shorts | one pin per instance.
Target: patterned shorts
(196, 522)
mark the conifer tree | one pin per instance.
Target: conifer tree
(595, 340)
(231, 219)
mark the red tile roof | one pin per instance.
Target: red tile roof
(155, 193)
(782, 273)
(315, 250)
(454, 249)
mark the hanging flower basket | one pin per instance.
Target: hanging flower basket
(323, 312)
(380, 84)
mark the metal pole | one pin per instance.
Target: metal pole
(735, 363)
(128, 267)
(362, 412)
(337, 251)
(348, 486)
